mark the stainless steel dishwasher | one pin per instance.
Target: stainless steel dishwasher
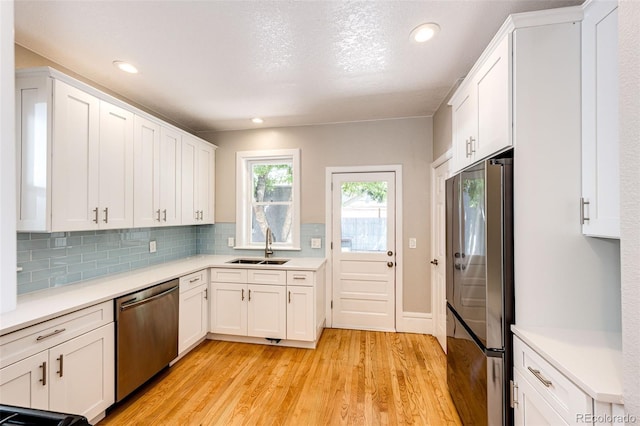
(146, 334)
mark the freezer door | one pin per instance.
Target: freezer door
(476, 381)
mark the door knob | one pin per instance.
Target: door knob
(390, 264)
(434, 262)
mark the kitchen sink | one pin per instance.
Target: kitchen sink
(259, 261)
(274, 262)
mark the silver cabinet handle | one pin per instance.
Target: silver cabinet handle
(44, 374)
(106, 215)
(299, 277)
(193, 280)
(249, 295)
(540, 377)
(61, 359)
(471, 141)
(164, 212)
(583, 218)
(201, 214)
(158, 213)
(95, 219)
(206, 294)
(466, 148)
(242, 294)
(53, 333)
(289, 297)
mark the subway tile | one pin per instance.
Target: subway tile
(23, 256)
(119, 268)
(21, 236)
(87, 257)
(65, 279)
(107, 245)
(39, 236)
(68, 260)
(33, 244)
(35, 265)
(48, 273)
(94, 273)
(33, 286)
(81, 249)
(107, 262)
(81, 267)
(48, 253)
(129, 258)
(139, 264)
(23, 277)
(118, 252)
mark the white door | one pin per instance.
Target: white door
(193, 324)
(206, 184)
(81, 373)
(25, 383)
(229, 308)
(300, 318)
(116, 167)
(146, 143)
(364, 250)
(438, 252)
(170, 174)
(189, 179)
(267, 311)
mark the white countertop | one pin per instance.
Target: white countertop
(33, 308)
(590, 359)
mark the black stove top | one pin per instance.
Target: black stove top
(10, 415)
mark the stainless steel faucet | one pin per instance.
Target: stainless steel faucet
(268, 251)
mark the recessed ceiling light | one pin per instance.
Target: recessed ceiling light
(257, 120)
(424, 32)
(126, 67)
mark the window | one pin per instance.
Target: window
(268, 196)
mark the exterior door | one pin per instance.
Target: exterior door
(438, 252)
(364, 251)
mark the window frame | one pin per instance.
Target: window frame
(244, 196)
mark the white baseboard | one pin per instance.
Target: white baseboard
(415, 322)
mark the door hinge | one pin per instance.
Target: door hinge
(514, 393)
(332, 304)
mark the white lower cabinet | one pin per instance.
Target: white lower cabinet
(300, 317)
(267, 303)
(65, 368)
(530, 408)
(194, 310)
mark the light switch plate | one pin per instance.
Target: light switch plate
(231, 242)
(152, 246)
(412, 243)
(316, 243)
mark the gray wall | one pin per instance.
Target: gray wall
(442, 125)
(403, 141)
(629, 61)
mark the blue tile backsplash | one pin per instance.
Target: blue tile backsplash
(60, 258)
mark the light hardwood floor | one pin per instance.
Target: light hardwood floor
(353, 377)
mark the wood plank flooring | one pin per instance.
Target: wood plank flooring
(353, 377)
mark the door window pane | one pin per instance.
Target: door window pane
(364, 216)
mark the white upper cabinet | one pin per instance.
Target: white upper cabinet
(88, 161)
(157, 183)
(600, 214)
(198, 181)
(482, 107)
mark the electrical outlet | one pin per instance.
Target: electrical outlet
(316, 243)
(152, 246)
(412, 243)
(231, 242)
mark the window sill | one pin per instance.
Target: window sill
(272, 248)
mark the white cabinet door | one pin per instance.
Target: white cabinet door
(206, 182)
(531, 408)
(116, 167)
(146, 142)
(170, 165)
(82, 373)
(25, 383)
(193, 323)
(464, 128)
(300, 314)
(493, 99)
(600, 140)
(229, 308)
(267, 311)
(75, 165)
(190, 149)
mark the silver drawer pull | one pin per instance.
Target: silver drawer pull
(299, 277)
(540, 377)
(53, 333)
(193, 280)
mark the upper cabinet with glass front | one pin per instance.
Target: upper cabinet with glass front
(114, 166)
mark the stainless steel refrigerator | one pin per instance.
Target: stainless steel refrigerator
(480, 301)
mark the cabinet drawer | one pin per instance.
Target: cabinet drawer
(304, 278)
(193, 280)
(219, 275)
(31, 340)
(562, 394)
(261, 276)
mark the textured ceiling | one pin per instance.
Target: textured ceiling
(212, 65)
